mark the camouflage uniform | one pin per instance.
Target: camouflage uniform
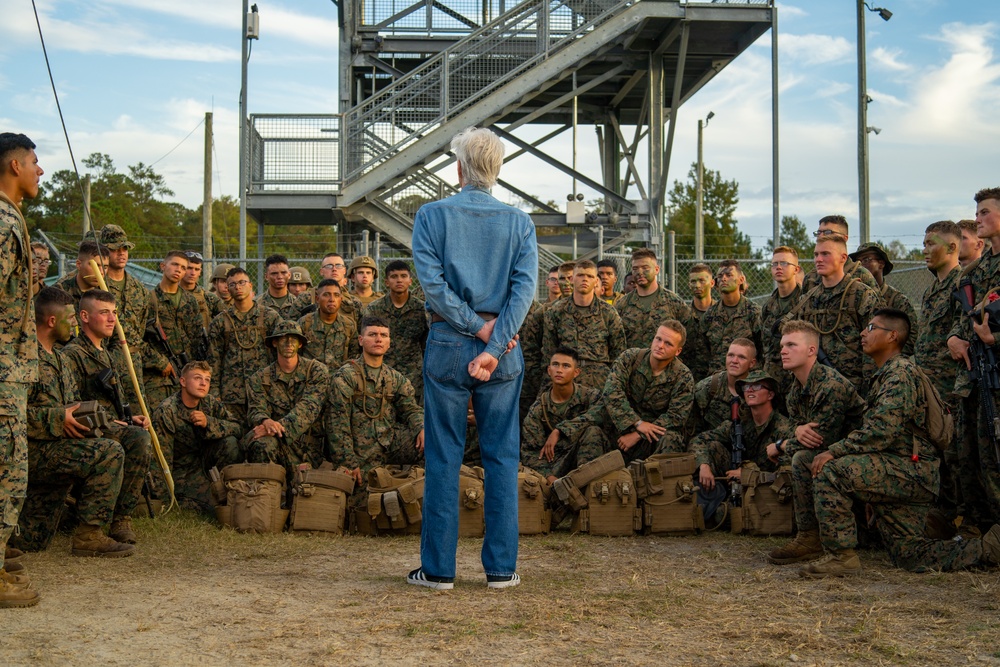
(290, 306)
(68, 284)
(932, 355)
(632, 393)
(57, 462)
(210, 305)
(351, 306)
(366, 300)
(530, 342)
(772, 314)
(333, 344)
(642, 315)
(852, 269)
(829, 400)
(18, 362)
(371, 420)
(181, 325)
(893, 298)
(711, 403)
(723, 324)
(192, 450)
(610, 300)
(979, 471)
(295, 400)
(408, 330)
(86, 361)
(542, 418)
(695, 354)
(594, 331)
(840, 319)
(237, 352)
(135, 308)
(715, 447)
(873, 465)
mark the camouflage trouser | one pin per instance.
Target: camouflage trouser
(570, 454)
(135, 442)
(473, 456)
(190, 463)
(979, 473)
(885, 481)
(239, 412)
(529, 389)
(802, 489)
(93, 464)
(157, 388)
(13, 457)
(721, 461)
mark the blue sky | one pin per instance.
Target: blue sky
(135, 77)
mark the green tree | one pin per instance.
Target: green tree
(793, 234)
(722, 235)
(897, 250)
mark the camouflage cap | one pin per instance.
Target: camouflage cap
(113, 237)
(285, 328)
(754, 377)
(300, 276)
(220, 271)
(362, 261)
(878, 250)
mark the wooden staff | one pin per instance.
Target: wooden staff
(138, 392)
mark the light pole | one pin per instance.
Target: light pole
(699, 218)
(863, 100)
(251, 30)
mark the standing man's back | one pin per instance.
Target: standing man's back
(477, 261)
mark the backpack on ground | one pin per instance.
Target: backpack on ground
(668, 494)
(569, 489)
(320, 499)
(254, 493)
(612, 507)
(395, 501)
(533, 513)
(767, 502)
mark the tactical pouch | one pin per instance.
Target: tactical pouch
(767, 502)
(471, 521)
(674, 509)
(320, 499)
(611, 506)
(395, 497)
(533, 491)
(254, 492)
(93, 416)
(568, 488)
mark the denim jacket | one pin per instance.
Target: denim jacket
(475, 254)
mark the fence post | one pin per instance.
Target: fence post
(672, 259)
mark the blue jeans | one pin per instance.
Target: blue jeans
(447, 387)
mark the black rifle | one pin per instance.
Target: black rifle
(736, 486)
(822, 358)
(155, 335)
(983, 359)
(109, 381)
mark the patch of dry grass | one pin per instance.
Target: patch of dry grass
(199, 595)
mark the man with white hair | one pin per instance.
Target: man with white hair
(477, 261)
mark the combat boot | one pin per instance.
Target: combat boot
(834, 564)
(991, 546)
(121, 530)
(805, 546)
(15, 568)
(19, 579)
(17, 595)
(11, 554)
(91, 541)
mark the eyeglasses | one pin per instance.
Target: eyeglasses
(238, 283)
(551, 280)
(191, 254)
(776, 264)
(333, 266)
(757, 386)
(871, 326)
(42, 262)
(824, 232)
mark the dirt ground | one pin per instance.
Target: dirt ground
(196, 595)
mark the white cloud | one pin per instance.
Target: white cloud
(814, 49)
(786, 11)
(888, 59)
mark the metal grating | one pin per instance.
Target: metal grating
(291, 153)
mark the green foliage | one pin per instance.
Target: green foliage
(722, 236)
(794, 235)
(897, 250)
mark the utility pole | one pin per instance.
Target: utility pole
(699, 214)
(863, 208)
(206, 206)
(87, 225)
